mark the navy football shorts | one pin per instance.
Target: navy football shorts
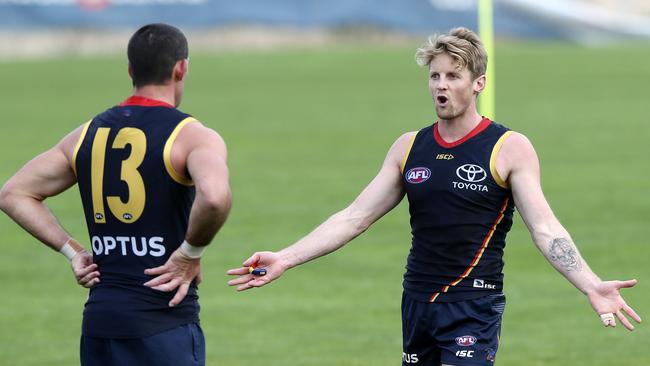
(181, 346)
(462, 333)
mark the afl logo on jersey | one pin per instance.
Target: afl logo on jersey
(471, 173)
(417, 175)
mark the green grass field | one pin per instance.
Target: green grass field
(306, 130)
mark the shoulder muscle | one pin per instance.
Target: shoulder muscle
(400, 149)
(517, 153)
(69, 143)
(194, 136)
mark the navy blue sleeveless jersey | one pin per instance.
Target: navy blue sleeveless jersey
(137, 209)
(461, 211)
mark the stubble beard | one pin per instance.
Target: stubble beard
(447, 113)
(451, 112)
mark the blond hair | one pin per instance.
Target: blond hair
(461, 44)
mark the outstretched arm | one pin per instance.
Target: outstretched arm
(22, 198)
(518, 162)
(383, 193)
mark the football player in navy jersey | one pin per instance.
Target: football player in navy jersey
(462, 176)
(155, 190)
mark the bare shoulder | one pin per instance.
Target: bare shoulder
(406, 138)
(402, 146)
(196, 135)
(516, 154)
(517, 146)
(197, 130)
(68, 145)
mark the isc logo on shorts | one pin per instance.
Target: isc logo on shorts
(417, 175)
(465, 341)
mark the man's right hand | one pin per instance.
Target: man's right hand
(177, 273)
(273, 263)
(85, 271)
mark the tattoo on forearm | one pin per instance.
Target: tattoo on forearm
(563, 252)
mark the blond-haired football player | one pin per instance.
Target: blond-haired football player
(462, 177)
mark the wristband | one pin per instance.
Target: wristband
(67, 250)
(190, 250)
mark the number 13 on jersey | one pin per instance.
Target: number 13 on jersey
(130, 211)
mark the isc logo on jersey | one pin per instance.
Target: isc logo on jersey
(471, 175)
(417, 175)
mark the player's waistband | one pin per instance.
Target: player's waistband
(131, 312)
(443, 294)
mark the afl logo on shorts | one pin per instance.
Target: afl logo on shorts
(417, 175)
(466, 340)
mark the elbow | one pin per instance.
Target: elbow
(357, 221)
(216, 200)
(361, 226)
(5, 198)
(12, 197)
(541, 234)
(537, 235)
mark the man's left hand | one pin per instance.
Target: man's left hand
(608, 302)
(85, 271)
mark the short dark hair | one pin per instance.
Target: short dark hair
(153, 51)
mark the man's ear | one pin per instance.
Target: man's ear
(479, 84)
(180, 69)
(130, 70)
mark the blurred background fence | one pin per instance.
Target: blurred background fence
(33, 28)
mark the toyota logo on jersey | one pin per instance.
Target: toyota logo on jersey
(417, 175)
(471, 173)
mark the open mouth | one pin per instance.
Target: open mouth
(442, 100)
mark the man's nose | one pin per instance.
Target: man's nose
(442, 84)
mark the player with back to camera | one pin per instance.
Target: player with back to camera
(154, 187)
(462, 176)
